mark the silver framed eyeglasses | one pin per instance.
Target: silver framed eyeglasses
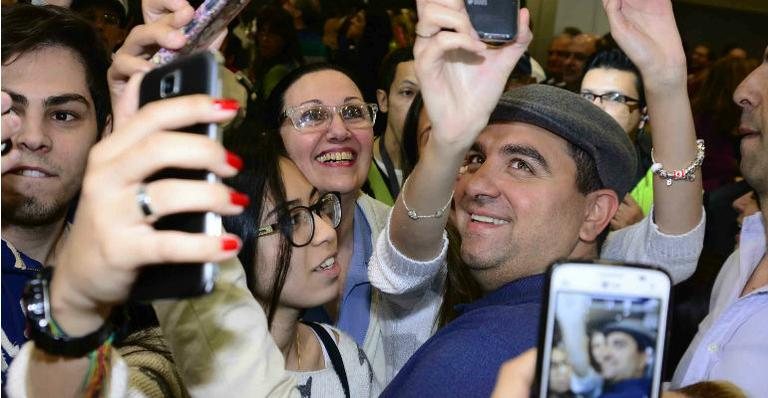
(310, 118)
(297, 224)
(612, 97)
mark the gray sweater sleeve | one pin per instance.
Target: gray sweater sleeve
(643, 243)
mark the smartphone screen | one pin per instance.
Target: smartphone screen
(605, 331)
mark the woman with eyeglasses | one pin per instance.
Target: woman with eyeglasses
(318, 114)
(289, 258)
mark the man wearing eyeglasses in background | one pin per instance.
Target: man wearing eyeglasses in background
(612, 82)
(108, 17)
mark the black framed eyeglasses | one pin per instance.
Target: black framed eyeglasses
(311, 118)
(612, 97)
(297, 224)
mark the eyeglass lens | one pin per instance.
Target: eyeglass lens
(302, 222)
(319, 116)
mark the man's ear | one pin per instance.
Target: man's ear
(381, 98)
(107, 128)
(601, 206)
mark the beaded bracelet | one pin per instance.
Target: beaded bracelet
(686, 174)
(98, 368)
(415, 216)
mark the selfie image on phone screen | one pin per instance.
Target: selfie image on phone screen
(605, 332)
(618, 357)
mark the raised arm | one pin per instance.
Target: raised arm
(646, 31)
(461, 81)
(112, 238)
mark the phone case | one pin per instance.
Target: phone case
(210, 18)
(494, 20)
(543, 321)
(195, 74)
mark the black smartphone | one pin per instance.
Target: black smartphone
(603, 330)
(494, 20)
(193, 74)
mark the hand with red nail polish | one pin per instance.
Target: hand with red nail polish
(226, 104)
(101, 259)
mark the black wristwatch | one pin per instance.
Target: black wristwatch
(36, 300)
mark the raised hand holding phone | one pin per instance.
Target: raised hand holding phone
(205, 28)
(112, 238)
(461, 77)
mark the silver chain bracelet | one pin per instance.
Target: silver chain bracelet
(686, 174)
(415, 216)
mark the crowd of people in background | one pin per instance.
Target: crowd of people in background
(399, 247)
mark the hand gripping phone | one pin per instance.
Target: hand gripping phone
(210, 18)
(194, 74)
(603, 330)
(494, 20)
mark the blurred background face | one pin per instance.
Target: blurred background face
(108, 22)
(556, 56)
(404, 87)
(621, 359)
(580, 49)
(559, 372)
(356, 26)
(600, 81)
(306, 285)
(699, 58)
(597, 347)
(271, 44)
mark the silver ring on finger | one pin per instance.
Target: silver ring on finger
(423, 36)
(144, 201)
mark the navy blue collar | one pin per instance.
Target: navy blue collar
(520, 291)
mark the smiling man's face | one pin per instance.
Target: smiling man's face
(50, 95)
(517, 205)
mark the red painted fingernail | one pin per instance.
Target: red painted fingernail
(234, 160)
(239, 199)
(229, 244)
(226, 104)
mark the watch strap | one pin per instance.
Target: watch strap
(43, 329)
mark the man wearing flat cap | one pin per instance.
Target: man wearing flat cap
(541, 174)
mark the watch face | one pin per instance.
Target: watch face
(35, 302)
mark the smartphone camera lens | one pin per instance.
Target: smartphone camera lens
(169, 85)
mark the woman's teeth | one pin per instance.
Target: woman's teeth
(335, 157)
(327, 264)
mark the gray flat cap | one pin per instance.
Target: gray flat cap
(578, 121)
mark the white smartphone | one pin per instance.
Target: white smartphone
(604, 330)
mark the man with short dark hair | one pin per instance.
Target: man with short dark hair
(612, 82)
(397, 87)
(56, 77)
(731, 343)
(541, 174)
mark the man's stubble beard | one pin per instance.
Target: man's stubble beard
(26, 211)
